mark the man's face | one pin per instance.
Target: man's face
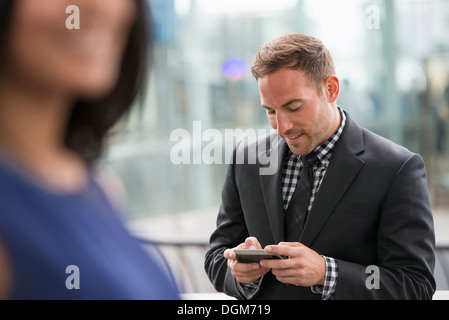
(301, 116)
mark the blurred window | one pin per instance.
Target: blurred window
(392, 58)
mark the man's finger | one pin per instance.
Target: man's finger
(252, 243)
(280, 250)
(245, 267)
(276, 263)
(291, 244)
(229, 254)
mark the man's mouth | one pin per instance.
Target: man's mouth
(293, 138)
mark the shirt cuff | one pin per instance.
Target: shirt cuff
(330, 282)
(249, 289)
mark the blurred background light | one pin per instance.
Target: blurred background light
(234, 69)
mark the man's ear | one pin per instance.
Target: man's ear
(332, 88)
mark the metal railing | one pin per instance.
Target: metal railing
(184, 262)
(442, 267)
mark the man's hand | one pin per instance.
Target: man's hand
(245, 272)
(304, 267)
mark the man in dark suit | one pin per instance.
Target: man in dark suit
(348, 208)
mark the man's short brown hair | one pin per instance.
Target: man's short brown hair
(298, 52)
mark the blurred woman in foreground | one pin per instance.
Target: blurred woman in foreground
(60, 92)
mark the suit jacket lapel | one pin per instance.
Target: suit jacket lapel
(271, 187)
(343, 168)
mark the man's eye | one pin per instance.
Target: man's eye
(271, 112)
(295, 109)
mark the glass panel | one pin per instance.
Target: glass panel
(392, 60)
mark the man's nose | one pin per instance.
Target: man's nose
(283, 123)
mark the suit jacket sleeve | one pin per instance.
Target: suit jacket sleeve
(231, 229)
(405, 244)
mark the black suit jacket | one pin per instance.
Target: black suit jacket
(372, 208)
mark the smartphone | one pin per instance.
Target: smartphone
(254, 255)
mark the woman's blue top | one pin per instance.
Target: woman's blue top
(73, 246)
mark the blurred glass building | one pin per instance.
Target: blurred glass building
(392, 58)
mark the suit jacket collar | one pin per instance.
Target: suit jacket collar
(342, 170)
(271, 186)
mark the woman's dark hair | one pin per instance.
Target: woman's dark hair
(90, 121)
